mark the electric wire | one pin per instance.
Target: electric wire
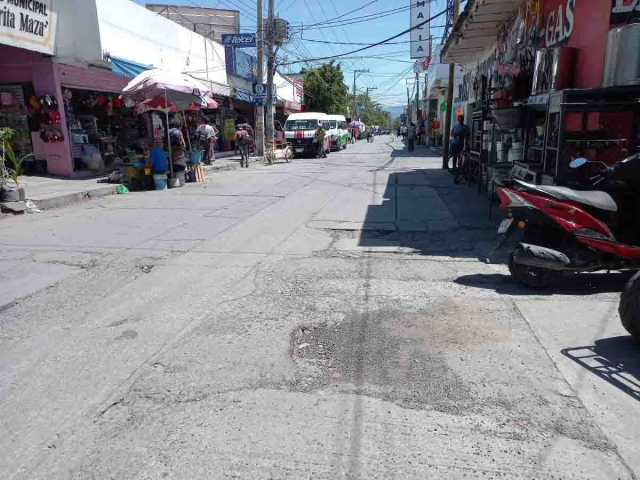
(383, 41)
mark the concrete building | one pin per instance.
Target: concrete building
(208, 22)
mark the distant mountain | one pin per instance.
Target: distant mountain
(395, 111)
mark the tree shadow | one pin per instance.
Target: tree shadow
(616, 360)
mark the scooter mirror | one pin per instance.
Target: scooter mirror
(578, 162)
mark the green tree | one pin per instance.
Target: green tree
(372, 113)
(325, 90)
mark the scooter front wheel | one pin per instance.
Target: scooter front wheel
(629, 308)
(534, 277)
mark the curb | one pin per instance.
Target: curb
(66, 199)
(219, 168)
(75, 197)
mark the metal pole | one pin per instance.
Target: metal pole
(408, 120)
(166, 104)
(260, 75)
(270, 68)
(355, 101)
(417, 98)
(425, 112)
(447, 118)
(206, 58)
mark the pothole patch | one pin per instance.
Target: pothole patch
(362, 355)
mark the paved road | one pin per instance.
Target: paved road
(322, 319)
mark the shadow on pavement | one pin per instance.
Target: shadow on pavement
(425, 211)
(615, 360)
(579, 284)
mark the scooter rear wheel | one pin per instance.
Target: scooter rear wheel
(534, 277)
(629, 308)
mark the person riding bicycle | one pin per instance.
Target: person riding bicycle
(459, 135)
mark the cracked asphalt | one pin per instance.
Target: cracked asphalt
(324, 319)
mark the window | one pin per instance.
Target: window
(333, 124)
(301, 124)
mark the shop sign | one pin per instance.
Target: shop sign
(240, 40)
(419, 35)
(560, 23)
(260, 93)
(623, 11)
(229, 129)
(28, 24)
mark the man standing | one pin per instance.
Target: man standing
(320, 134)
(459, 134)
(205, 135)
(243, 139)
(411, 137)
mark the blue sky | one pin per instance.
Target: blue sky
(385, 73)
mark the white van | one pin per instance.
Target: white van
(300, 132)
(339, 131)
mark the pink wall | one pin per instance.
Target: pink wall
(22, 66)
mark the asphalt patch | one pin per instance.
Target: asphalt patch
(363, 355)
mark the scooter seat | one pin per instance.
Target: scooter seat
(593, 198)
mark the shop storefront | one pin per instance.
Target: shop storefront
(553, 84)
(27, 74)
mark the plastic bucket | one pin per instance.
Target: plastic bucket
(195, 157)
(173, 182)
(160, 181)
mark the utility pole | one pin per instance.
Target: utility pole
(426, 107)
(371, 88)
(447, 118)
(355, 98)
(408, 120)
(270, 68)
(417, 97)
(260, 79)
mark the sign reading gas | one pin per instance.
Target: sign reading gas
(560, 25)
(239, 40)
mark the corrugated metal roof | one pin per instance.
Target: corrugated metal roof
(476, 29)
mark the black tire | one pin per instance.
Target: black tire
(461, 172)
(533, 277)
(629, 308)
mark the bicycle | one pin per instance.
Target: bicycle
(468, 169)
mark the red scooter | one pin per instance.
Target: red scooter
(565, 231)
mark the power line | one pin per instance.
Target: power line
(351, 21)
(357, 43)
(383, 41)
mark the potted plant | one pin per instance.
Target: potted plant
(10, 189)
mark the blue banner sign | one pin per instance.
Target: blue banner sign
(239, 40)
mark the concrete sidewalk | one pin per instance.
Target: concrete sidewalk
(55, 192)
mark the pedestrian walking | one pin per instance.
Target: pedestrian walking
(459, 134)
(205, 134)
(243, 139)
(411, 137)
(320, 135)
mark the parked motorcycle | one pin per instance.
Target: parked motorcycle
(564, 231)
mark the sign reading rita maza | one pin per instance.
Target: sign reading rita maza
(28, 24)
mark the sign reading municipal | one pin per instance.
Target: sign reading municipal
(28, 24)
(240, 40)
(419, 36)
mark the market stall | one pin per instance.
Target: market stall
(179, 92)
